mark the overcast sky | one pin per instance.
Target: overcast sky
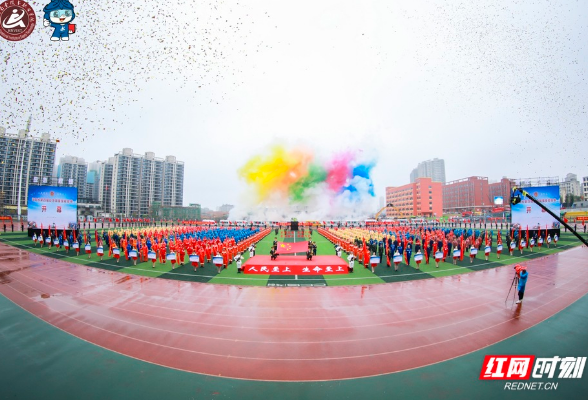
(496, 89)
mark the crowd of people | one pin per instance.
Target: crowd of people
(220, 246)
(403, 244)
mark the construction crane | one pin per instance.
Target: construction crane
(377, 216)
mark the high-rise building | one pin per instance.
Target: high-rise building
(434, 169)
(130, 183)
(93, 181)
(570, 185)
(151, 182)
(585, 187)
(173, 181)
(105, 186)
(24, 161)
(73, 171)
(421, 198)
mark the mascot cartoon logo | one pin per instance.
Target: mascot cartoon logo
(58, 15)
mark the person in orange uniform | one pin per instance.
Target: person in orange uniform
(123, 246)
(162, 253)
(144, 252)
(225, 258)
(366, 259)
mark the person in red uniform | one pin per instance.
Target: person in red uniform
(437, 253)
(100, 249)
(219, 266)
(172, 249)
(202, 255)
(192, 252)
(135, 254)
(498, 246)
(181, 252)
(115, 251)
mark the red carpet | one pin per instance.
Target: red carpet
(295, 265)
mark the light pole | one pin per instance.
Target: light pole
(23, 147)
(27, 130)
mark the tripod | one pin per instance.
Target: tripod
(515, 283)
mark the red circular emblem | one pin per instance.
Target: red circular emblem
(17, 20)
(52, 193)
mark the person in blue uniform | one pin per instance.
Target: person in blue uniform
(408, 251)
(400, 248)
(394, 246)
(523, 275)
(129, 248)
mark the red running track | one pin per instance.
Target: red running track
(289, 334)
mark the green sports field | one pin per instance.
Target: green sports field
(361, 276)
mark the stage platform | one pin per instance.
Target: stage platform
(295, 265)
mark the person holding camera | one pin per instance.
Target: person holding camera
(523, 275)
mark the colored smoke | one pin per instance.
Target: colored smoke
(293, 182)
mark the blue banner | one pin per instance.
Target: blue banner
(529, 214)
(52, 206)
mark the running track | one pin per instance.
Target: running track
(289, 334)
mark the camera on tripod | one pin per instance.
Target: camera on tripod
(518, 269)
